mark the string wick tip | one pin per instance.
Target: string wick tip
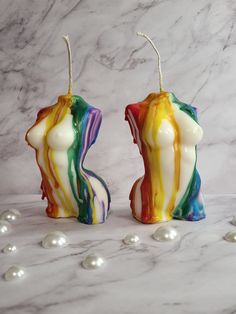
(158, 55)
(67, 41)
(65, 37)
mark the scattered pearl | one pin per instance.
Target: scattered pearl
(9, 248)
(10, 215)
(13, 273)
(55, 239)
(131, 239)
(93, 261)
(5, 227)
(230, 236)
(233, 221)
(165, 233)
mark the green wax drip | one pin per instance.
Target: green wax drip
(78, 110)
(182, 209)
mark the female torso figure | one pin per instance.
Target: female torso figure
(61, 137)
(167, 133)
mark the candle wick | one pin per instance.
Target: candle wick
(159, 58)
(67, 41)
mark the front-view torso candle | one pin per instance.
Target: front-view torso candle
(61, 137)
(166, 132)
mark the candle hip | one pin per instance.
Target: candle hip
(61, 137)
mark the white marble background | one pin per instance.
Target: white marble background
(114, 67)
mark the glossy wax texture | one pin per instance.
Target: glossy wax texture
(166, 132)
(61, 137)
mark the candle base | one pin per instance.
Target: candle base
(58, 212)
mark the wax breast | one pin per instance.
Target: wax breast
(160, 137)
(165, 134)
(35, 136)
(61, 136)
(190, 132)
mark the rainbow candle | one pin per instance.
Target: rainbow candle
(166, 132)
(61, 137)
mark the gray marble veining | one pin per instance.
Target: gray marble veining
(113, 67)
(194, 274)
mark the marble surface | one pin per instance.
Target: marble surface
(194, 275)
(112, 68)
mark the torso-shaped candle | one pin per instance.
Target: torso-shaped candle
(61, 136)
(166, 132)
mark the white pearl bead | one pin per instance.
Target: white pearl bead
(55, 239)
(9, 248)
(93, 261)
(10, 215)
(233, 221)
(230, 236)
(5, 227)
(131, 239)
(165, 233)
(13, 273)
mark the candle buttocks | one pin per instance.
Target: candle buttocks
(61, 136)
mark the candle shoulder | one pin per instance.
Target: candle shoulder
(69, 109)
(188, 109)
(165, 107)
(86, 116)
(156, 99)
